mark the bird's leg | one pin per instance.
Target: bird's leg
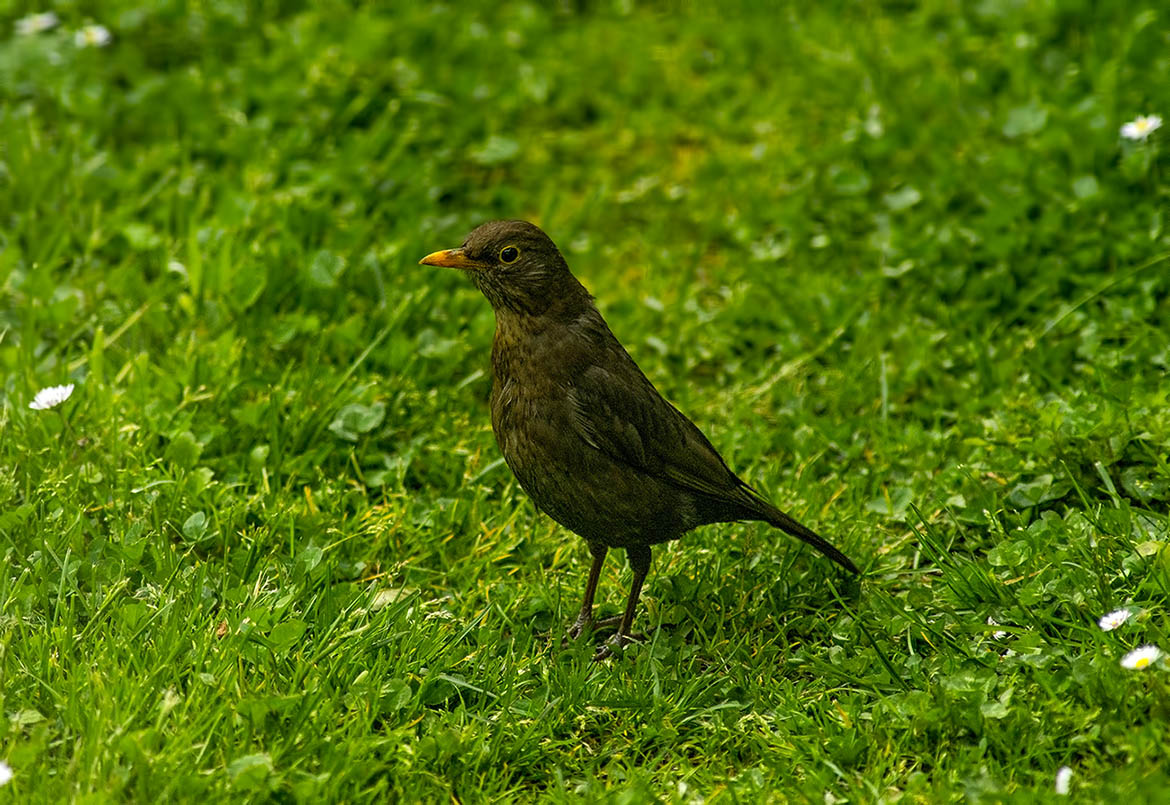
(584, 620)
(640, 563)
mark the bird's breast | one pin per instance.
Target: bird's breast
(532, 413)
(530, 399)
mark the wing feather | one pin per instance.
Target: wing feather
(624, 416)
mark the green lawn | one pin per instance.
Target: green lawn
(897, 261)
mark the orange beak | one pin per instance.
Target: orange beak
(451, 258)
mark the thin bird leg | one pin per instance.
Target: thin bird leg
(584, 620)
(640, 563)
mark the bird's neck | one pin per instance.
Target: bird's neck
(535, 297)
(551, 340)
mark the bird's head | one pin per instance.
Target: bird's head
(516, 266)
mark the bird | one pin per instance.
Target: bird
(586, 434)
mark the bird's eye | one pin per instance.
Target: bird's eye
(509, 254)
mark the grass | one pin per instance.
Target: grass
(895, 259)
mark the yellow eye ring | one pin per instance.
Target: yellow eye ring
(509, 255)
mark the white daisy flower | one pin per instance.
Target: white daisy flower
(5, 773)
(1141, 127)
(92, 36)
(998, 633)
(36, 23)
(1114, 619)
(1063, 778)
(1141, 658)
(51, 397)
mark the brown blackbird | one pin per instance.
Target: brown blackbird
(586, 434)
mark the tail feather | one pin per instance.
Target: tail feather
(774, 516)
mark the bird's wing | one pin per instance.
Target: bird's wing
(616, 410)
(619, 412)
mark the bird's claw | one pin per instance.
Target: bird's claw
(580, 627)
(618, 642)
(583, 625)
(586, 623)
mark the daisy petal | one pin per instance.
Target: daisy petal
(92, 36)
(51, 397)
(1141, 127)
(1114, 619)
(1063, 778)
(1141, 658)
(36, 23)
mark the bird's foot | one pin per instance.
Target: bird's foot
(580, 627)
(583, 625)
(616, 643)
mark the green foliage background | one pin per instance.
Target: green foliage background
(894, 258)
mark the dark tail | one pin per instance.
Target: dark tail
(774, 516)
